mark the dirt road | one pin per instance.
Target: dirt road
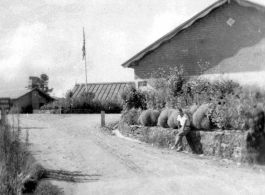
(104, 164)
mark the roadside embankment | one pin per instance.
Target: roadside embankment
(19, 171)
(232, 145)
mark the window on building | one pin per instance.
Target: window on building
(230, 22)
(142, 84)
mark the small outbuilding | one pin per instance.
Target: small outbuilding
(27, 99)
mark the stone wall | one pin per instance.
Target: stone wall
(231, 145)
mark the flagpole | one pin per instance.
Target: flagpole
(84, 55)
(86, 73)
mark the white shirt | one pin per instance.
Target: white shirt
(183, 119)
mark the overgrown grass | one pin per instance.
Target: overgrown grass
(18, 169)
(13, 159)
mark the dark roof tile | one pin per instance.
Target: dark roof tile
(102, 91)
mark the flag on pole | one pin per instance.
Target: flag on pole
(84, 44)
(84, 53)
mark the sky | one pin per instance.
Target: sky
(46, 36)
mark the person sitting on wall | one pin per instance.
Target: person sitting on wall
(184, 128)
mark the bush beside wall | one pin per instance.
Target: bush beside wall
(82, 106)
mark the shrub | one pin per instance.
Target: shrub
(109, 106)
(173, 102)
(84, 104)
(206, 123)
(133, 98)
(199, 90)
(172, 120)
(200, 118)
(236, 110)
(220, 115)
(168, 85)
(87, 96)
(177, 89)
(163, 118)
(155, 100)
(149, 117)
(170, 80)
(130, 117)
(51, 105)
(83, 101)
(195, 90)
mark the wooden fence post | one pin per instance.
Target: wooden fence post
(102, 118)
(3, 115)
(4, 104)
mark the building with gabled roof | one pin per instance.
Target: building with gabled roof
(227, 38)
(28, 99)
(102, 91)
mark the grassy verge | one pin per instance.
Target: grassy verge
(19, 173)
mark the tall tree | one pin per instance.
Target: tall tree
(44, 80)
